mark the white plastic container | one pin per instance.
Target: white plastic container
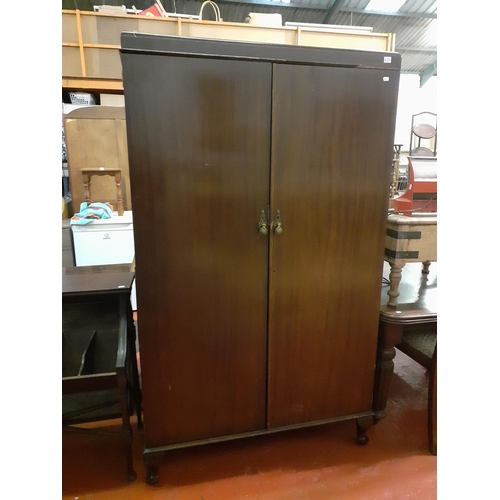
(260, 19)
(106, 241)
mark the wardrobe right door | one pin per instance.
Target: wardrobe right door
(331, 156)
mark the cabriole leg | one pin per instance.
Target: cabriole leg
(362, 425)
(152, 462)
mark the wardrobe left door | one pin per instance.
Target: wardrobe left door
(199, 152)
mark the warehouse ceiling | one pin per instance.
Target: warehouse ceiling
(414, 23)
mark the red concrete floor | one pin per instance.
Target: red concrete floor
(308, 464)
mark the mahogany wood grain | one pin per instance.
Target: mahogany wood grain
(199, 153)
(330, 176)
(202, 122)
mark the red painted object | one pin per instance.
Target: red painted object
(410, 202)
(151, 10)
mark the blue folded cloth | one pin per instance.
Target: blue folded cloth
(92, 211)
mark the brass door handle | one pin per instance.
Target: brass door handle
(263, 224)
(278, 229)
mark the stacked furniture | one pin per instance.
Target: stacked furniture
(91, 42)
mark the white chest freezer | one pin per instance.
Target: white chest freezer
(106, 241)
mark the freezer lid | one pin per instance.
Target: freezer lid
(116, 222)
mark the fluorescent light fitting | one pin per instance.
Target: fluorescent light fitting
(385, 5)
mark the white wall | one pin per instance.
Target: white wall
(412, 100)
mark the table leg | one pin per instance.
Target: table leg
(118, 181)
(86, 187)
(135, 382)
(390, 335)
(432, 406)
(126, 428)
(394, 280)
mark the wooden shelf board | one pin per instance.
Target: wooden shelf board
(95, 84)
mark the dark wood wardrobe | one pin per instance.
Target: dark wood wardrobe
(260, 180)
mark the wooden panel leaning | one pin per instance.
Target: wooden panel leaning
(96, 139)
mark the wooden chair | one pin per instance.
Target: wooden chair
(87, 174)
(420, 344)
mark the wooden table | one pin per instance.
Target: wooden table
(100, 377)
(114, 279)
(416, 308)
(408, 240)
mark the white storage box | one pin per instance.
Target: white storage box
(260, 19)
(106, 241)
